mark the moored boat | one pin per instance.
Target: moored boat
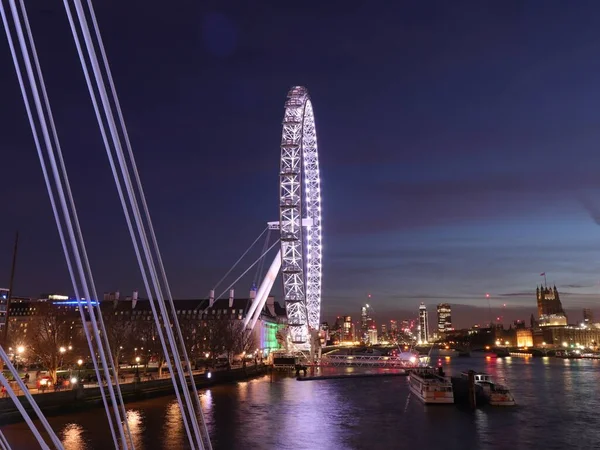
(497, 394)
(429, 386)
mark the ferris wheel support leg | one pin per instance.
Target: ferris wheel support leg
(263, 292)
(268, 285)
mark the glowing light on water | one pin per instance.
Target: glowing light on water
(72, 437)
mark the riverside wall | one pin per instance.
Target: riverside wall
(55, 403)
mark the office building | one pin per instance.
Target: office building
(347, 329)
(444, 316)
(588, 317)
(372, 336)
(423, 324)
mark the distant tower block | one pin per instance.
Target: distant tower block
(423, 324)
(444, 316)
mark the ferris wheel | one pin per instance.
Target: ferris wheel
(299, 225)
(300, 216)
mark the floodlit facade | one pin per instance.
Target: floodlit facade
(550, 310)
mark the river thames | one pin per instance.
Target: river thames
(558, 408)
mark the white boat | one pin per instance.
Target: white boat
(430, 387)
(497, 394)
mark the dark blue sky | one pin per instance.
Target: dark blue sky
(458, 141)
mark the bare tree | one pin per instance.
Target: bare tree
(121, 333)
(213, 333)
(245, 340)
(146, 332)
(48, 333)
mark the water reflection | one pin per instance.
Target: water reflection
(173, 433)
(72, 437)
(136, 426)
(556, 409)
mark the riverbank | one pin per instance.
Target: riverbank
(56, 403)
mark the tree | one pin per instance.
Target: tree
(244, 339)
(213, 334)
(48, 335)
(146, 331)
(120, 332)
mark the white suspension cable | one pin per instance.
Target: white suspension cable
(248, 269)
(85, 258)
(261, 266)
(30, 399)
(21, 409)
(240, 258)
(3, 442)
(51, 195)
(147, 213)
(91, 54)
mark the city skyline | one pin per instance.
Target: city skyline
(438, 196)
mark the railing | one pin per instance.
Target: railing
(364, 361)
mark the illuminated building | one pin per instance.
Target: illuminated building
(394, 327)
(573, 337)
(423, 324)
(324, 334)
(444, 316)
(192, 315)
(365, 322)
(347, 329)
(550, 311)
(524, 337)
(588, 317)
(3, 303)
(372, 333)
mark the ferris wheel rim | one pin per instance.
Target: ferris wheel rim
(300, 204)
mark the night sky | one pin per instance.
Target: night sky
(459, 147)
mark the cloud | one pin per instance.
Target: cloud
(591, 207)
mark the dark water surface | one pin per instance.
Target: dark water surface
(558, 408)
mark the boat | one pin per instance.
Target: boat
(497, 394)
(430, 386)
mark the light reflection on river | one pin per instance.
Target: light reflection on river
(558, 408)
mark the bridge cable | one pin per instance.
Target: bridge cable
(23, 412)
(4, 445)
(261, 266)
(240, 258)
(140, 225)
(31, 400)
(141, 230)
(149, 221)
(103, 349)
(158, 324)
(43, 124)
(248, 269)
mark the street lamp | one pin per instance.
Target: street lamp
(137, 368)
(79, 363)
(62, 350)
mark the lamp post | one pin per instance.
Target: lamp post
(62, 351)
(79, 363)
(137, 369)
(20, 350)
